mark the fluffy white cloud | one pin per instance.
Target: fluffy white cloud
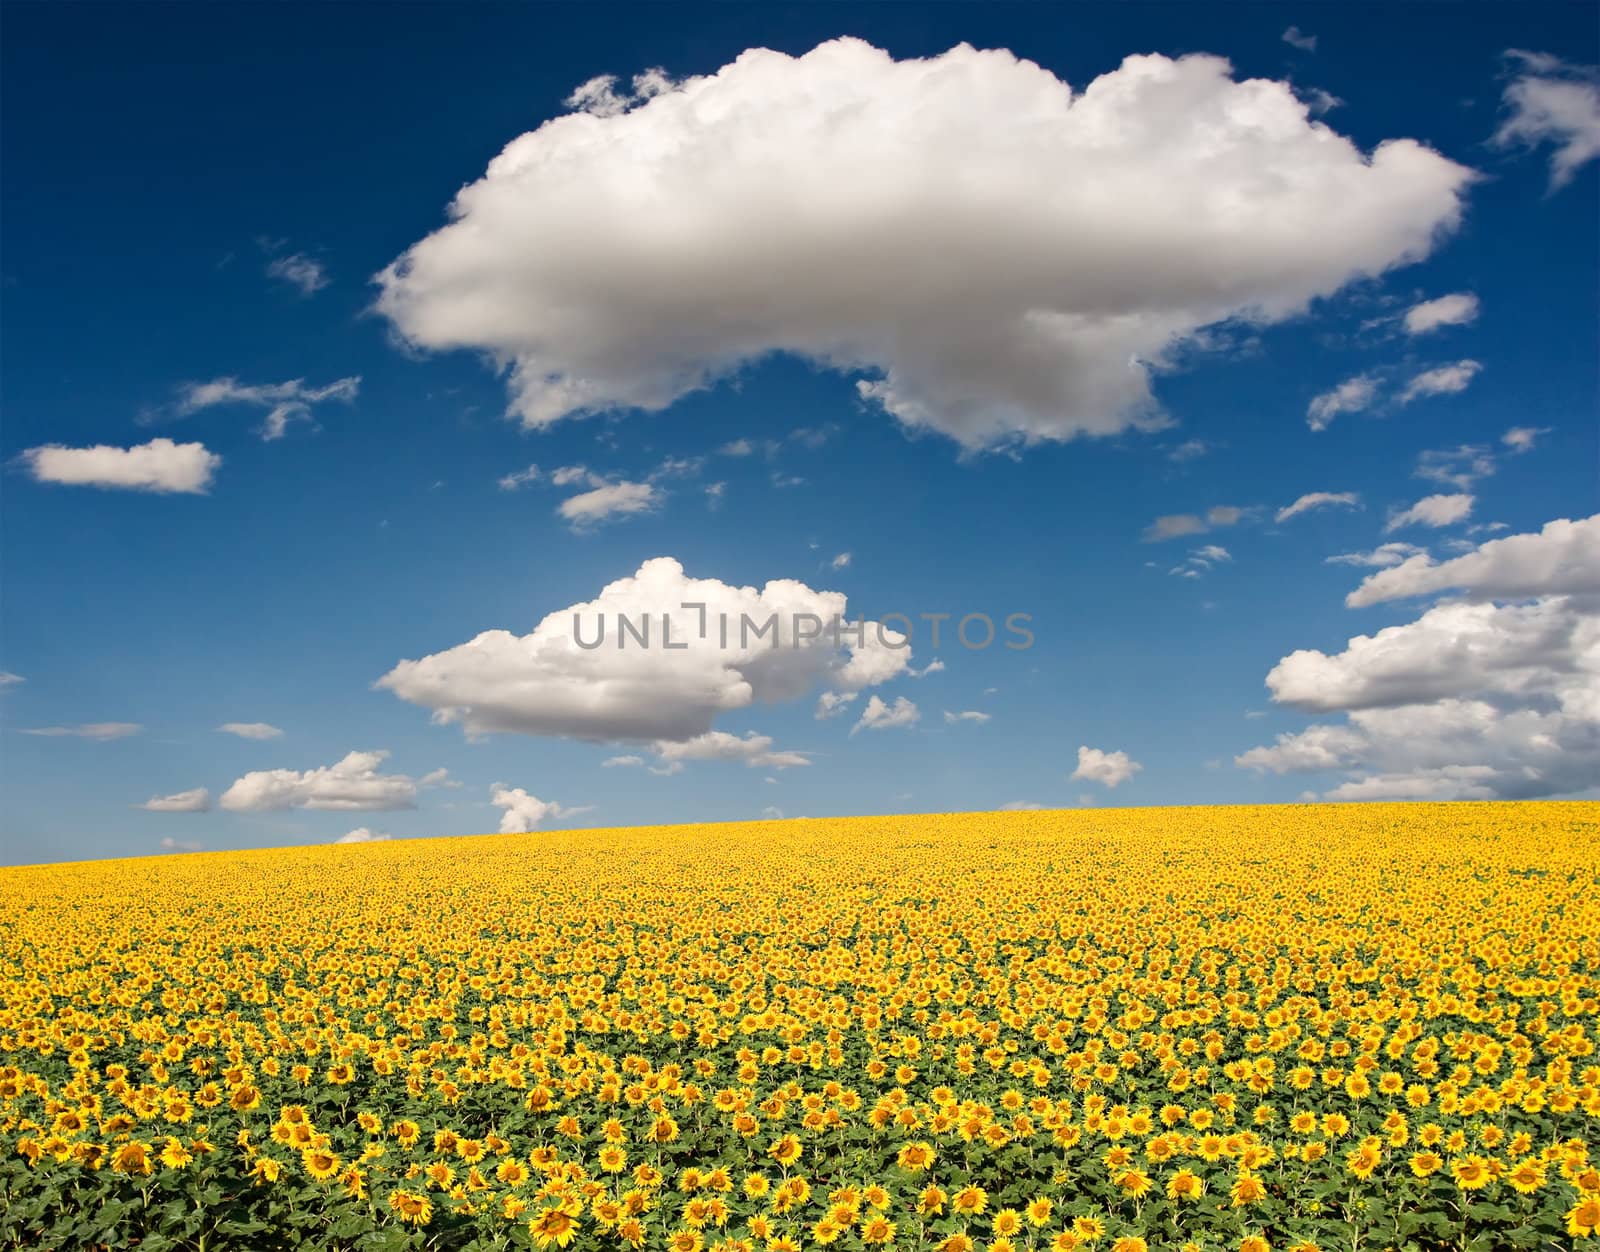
(284, 402)
(196, 801)
(612, 500)
(1318, 500)
(169, 844)
(250, 730)
(519, 478)
(1522, 438)
(523, 812)
(349, 784)
(1384, 555)
(1353, 395)
(1443, 380)
(719, 745)
(880, 716)
(1456, 649)
(1435, 511)
(1177, 525)
(1296, 38)
(970, 715)
(8, 679)
(1111, 769)
(1198, 562)
(1552, 102)
(842, 561)
(363, 835)
(1564, 557)
(161, 466)
(305, 274)
(1001, 257)
(1473, 699)
(832, 703)
(1459, 467)
(99, 731)
(544, 683)
(1458, 309)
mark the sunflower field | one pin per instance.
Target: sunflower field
(1252, 1029)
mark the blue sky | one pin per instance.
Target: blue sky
(975, 331)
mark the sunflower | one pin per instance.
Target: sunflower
(413, 1209)
(174, 1155)
(553, 1226)
(320, 1163)
(1583, 1218)
(1472, 1173)
(970, 1200)
(915, 1157)
(132, 1157)
(1246, 1189)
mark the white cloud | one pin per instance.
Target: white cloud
(970, 715)
(8, 679)
(306, 274)
(161, 466)
(351, 783)
(1435, 511)
(1454, 650)
(621, 762)
(1189, 450)
(1111, 769)
(1020, 806)
(832, 703)
(1552, 102)
(1457, 309)
(284, 402)
(98, 731)
(880, 716)
(1564, 557)
(1318, 500)
(567, 475)
(250, 730)
(737, 447)
(1383, 555)
(196, 801)
(363, 835)
(437, 778)
(606, 259)
(842, 561)
(519, 478)
(719, 745)
(1443, 380)
(1177, 525)
(1201, 560)
(1522, 438)
(1458, 467)
(525, 812)
(1296, 38)
(1469, 701)
(169, 844)
(613, 500)
(544, 683)
(1353, 395)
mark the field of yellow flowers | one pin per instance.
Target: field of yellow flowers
(1332, 1027)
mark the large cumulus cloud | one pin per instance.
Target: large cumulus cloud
(996, 256)
(545, 683)
(1496, 696)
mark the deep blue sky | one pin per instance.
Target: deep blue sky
(155, 160)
